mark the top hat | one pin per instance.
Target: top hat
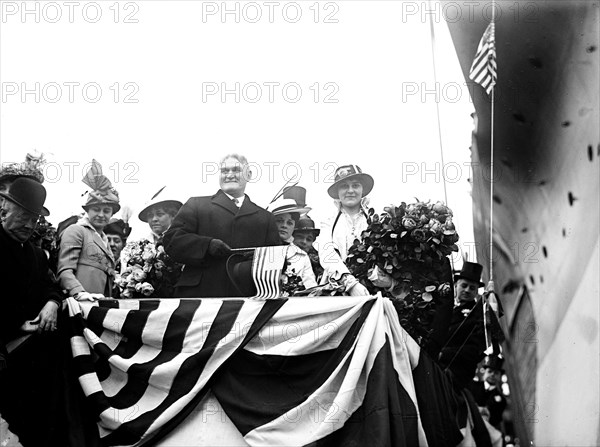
(470, 271)
(118, 227)
(350, 172)
(306, 224)
(239, 270)
(493, 362)
(283, 206)
(29, 194)
(296, 193)
(155, 203)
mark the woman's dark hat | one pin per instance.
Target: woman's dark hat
(470, 271)
(29, 194)
(306, 224)
(351, 172)
(62, 226)
(156, 203)
(239, 270)
(118, 227)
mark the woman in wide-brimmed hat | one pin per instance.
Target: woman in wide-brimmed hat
(287, 214)
(159, 214)
(86, 265)
(339, 232)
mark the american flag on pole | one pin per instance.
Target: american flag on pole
(483, 69)
(299, 371)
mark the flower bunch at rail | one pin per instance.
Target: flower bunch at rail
(404, 254)
(144, 271)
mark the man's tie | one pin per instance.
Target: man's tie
(236, 201)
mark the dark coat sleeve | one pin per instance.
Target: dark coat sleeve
(185, 241)
(442, 316)
(28, 285)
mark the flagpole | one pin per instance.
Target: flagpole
(490, 286)
(437, 109)
(491, 279)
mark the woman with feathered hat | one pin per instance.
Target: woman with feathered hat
(86, 265)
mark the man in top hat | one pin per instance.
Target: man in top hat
(207, 228)
(29, 305)
(465, 344)
(488, 392)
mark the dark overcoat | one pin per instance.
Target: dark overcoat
(30, 389)
(202, 219)
(465, 344)
(27, 285)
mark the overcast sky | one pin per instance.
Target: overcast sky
(159, 91)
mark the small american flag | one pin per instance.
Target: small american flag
(267, 266)
(483, 70)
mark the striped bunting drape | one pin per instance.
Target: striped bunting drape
(301, 371)
(483, 69)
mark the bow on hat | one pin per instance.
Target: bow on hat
(102, 190)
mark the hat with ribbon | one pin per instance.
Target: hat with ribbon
(470, 271)
(156, 203)
(350, 172)
(283, 206)
(102, 192)
(306, 224)
(29, 194)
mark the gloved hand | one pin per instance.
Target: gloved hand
(381, 279)
(354, 287)
(86, 296)
(218, 249)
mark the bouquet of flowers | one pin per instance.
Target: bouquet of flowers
(290, 281)
(148, 271)
(403, 254)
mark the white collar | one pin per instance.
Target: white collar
(240, 199)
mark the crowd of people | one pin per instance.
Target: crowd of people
(199, 237)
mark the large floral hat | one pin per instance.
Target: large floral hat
(30, 168)
(350, 172)
(102, 192)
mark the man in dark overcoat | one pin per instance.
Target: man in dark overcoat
(30, 388)
(465, 343)
(207, 228)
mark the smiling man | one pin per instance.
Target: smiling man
(207, 228)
